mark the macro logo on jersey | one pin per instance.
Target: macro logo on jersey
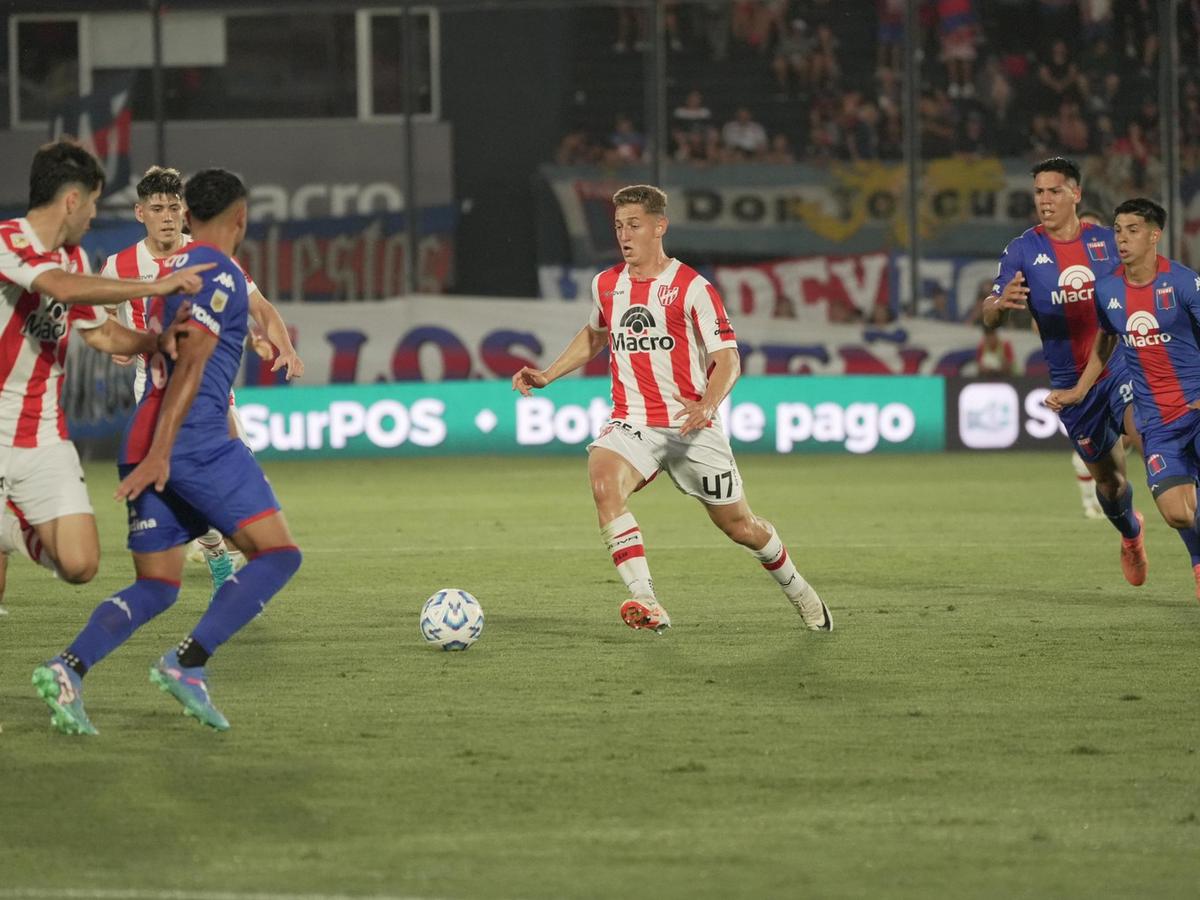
(1164, 298)
(46, 323)
(1076, 285)
(632, 334)
(1143, 331)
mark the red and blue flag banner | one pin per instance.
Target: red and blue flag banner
(101, 122)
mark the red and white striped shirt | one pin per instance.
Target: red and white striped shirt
(137, 263)
(660, 333)
(34, 333)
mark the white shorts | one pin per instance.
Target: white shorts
(701, 464)
(45, 483)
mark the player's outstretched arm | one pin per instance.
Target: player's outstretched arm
(697, 414)
(155, 469)
(268, 319)
(586, 344)
(68, 287)
(1102, 351)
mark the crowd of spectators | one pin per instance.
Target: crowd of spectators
(1001, 77)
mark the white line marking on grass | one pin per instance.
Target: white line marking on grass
(135, 894)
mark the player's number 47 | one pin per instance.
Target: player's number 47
(719, 487)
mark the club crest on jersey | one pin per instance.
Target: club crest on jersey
(1076, 286)
(1142, 331)
(667, 295)
(1097, 251)
(633, 333)
(1155, 464)
(1164, 297)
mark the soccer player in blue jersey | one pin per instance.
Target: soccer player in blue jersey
(1150, 307)
(181, 472)
(1051, 269)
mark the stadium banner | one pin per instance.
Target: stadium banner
(767, 415)
(101, 122)
(1001, 415)
(835, 287)
(349, 258)
(967, 204)
(294, 168)
(438, 338)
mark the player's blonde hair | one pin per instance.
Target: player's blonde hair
(652, 199)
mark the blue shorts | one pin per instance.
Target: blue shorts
(1172, 452)
(1095, 424)
(222, 487)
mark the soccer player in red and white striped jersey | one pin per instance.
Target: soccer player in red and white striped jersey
(673, 359)
(160, 208)
(45, 290)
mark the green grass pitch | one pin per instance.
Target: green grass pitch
(997, 714)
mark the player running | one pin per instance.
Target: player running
(181, 472)
(1151, 306)
(45, 512)
(674, 358)
(160, 209)
(1051, 269)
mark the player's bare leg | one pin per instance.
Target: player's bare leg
(73, 545)
(758, 536)
(1115, 495)
(76, 533)
(1177, 505)
(613, 480)
(1130, 438)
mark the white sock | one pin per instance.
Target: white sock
(212, 543)
(774, 558)
(623, 539)
(1087, 484)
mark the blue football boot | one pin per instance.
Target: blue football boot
(189, 687)
(62, 689)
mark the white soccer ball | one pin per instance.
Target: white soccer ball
(452, 619)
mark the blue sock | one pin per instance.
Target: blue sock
(244, 595)
(114, 620)
(1191, 540)
(1120, 512)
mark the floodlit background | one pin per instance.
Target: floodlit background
(997, 714)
